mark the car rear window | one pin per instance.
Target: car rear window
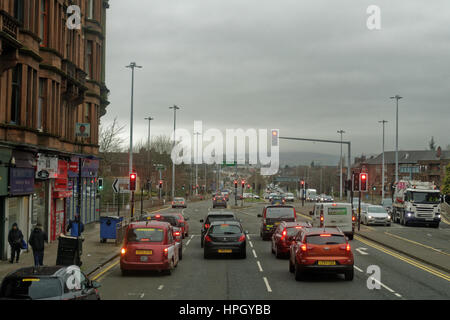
(178, 199)
(320, 239)
(31, 288)
(281, 212)
(220, 217)
(172, 220)
(146, 235)
(292, 231)
(225, 229)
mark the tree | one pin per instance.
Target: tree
(432, 144)
(110, 139)
(446, 183)
(162, 144)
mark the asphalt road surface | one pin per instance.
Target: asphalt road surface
(263, 277)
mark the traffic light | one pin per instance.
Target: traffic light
(235, 184)
(100, 184)
(363, 177)
(356, 182)
(302, 184)
(160, 184)
(243, 184)
(133, 177)
(182, 188)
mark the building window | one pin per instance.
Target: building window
(43, 20)
(41, 103)
(15, 98)
(18, 10)
(89, 62)
(90, 9)
(86, 113)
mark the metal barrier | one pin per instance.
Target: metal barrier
(121, 229)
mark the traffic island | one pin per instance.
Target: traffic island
(422, 253)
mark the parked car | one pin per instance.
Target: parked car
(49, 283)
(225, 238)
(212, 216)
(321, 250)
(184, 224)
(179, 203)
(283, 236)
(149, 245)
(272, 216)
(376, 215)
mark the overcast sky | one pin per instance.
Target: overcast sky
(309, 68)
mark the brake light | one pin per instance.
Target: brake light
(176, 233)
(321, 218)
(303, 247)
(123, 251)
(158, 216)
(242, 238)
(214, 199)
(348, 248)
(208, 239)
(173, 202)
(325, 235)
(353, 218)
(166, 252)
(206, 226)
(283, 235)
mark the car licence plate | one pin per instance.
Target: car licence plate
(144, 258)
(144, 252)
(225, 251)
(326, 263)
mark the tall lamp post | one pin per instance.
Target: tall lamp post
(382, 174)
(397, 97)
(150, 119)
(132, 66)
(196, 162)
(341, 132)
(175, 108)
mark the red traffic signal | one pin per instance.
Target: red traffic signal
(363, 182)
(133, 177)
(160, 184)
(235, 183)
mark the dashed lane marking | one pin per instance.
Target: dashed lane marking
(250, 243)
(358, 269)
(161, 287)
(259, 266)
(254, 254)
(269, 289)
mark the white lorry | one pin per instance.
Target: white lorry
(311, 195)
(416, 202)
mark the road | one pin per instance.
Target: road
(263, 277)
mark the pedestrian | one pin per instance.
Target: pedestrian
(75, 225)
(37, 241)
(15, 238)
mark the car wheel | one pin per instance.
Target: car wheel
(278, 255)
(186, 235)
(436, 225)
(205, 255)
(201, 243)
(349, 275)
(299, 276)
(180, 253)
(124, 272)
(244, 254)
(291, 267)
(273, 251)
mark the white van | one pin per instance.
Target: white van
(328, 215)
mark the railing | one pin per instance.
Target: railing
(121, 229)
(8, 24)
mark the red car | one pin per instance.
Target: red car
(184, 225)
(283, 236)
(149, 245)
(321, 250)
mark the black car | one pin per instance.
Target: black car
(220, 201)
(272, 216)
(49, 283)
(225, 237)
(212, 216)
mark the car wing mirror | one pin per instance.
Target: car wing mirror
(259, 215)
(202, 221)
(186, 219)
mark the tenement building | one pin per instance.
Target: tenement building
(52, 96)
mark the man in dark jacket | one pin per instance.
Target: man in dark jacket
(37, 242)
(76, 227)
(15, 238)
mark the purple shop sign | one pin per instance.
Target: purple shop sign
(21, 181)
(89, 168)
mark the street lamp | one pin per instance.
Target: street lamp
(132, 66)
(397, 97)
(175, 108)
(382, 175)
(150, 119)
(195, 158)
(341, 132)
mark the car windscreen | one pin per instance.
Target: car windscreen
(220, 217)
(376, 210)
(425, 197)
(279, 212)
(31, 288)
(145, 235)
(225, 229)
(325, 239)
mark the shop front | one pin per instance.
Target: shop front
(60, 193)
(5, 157)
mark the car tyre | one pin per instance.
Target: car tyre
(124, 272)
(350, 237)
(244, 254)
(291, 267)
(349, 275)
(205, 255)
(278, 255)
(299, 276)
(180, 253)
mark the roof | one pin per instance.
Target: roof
(220, 213)
(295, 224)
(234, 222)
(323, 230)
(150, 223)
(409, 157)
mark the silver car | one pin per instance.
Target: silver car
(375, 215)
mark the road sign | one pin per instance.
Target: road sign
(120, 185)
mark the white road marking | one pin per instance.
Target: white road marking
(358, 269)
(187, 243)
(250, 243)
(254, 254)
(384, 286)
(269, 289)
(259, 266)
(142, 295)
(160, 287)
(398, 295)
(362, 251)
(248, 237)
(192, 237)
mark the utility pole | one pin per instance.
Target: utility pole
(341, 132)
(175, 108)
(397, 97)
(196, 162)
(382, 170)
(132, 65)
(150, 119)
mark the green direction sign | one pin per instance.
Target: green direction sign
(229, 164)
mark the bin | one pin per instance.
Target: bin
(69, 251)
(108, 227)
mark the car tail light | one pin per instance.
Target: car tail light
(348, 248)
(123, 251)
(208, 239)
(173, 202)
(303, 247)
(325, 235)
(242, 238)
(353, 218)
(206, 226)
(283, 235)
(214, 199)
(176, 233)
(158, 216)
(166, 252)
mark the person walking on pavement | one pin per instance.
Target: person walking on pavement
(15, 238)
(75, 226)
(37, 242)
